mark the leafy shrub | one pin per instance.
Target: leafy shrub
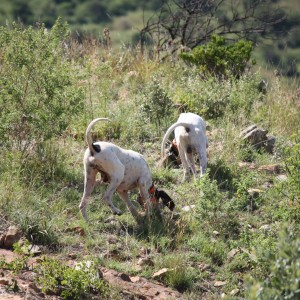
(292, 161)
(217, 58)
(71, 283)
(284, 271)
(38, 97)
(156, 105)
(212, 99)
(210, 202)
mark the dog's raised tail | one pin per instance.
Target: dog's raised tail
(167, 134)
(93, 147)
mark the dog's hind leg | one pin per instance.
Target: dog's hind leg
(202, 159)
(185, 165)
(190, 160)
(89, 184)
(124, 196)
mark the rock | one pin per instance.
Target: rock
(160, 273)
(188, 208)
(145, 262)
(234, 292)
(12, 236)
(4, 281)
(232, 253)
(265, 228)
(282, 177)
(219, 283)
(34, 249)
(258, 138)
(270, 169)
(255, 136)
(254, 193)
(270, 144)
(216, 233)
(135, 279)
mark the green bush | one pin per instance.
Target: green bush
(156, 105)
(38, 96)
(217, 58)
(284, 271)
(292, 162)
(212, 99)
(71, 283)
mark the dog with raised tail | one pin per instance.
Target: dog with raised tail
(190, 139)
(123, 170)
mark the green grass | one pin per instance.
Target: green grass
(41, 192)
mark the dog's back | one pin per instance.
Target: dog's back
(135, 166)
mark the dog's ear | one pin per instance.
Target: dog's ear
(166, 199)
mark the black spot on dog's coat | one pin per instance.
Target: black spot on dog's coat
(97, 148)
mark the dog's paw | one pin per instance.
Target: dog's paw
(117, 212)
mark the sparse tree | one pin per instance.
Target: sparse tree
(183, 24)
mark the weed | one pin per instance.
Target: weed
(80, 282)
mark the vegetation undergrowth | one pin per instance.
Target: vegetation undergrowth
(225, 236)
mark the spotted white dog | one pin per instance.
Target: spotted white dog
(190, 138)
(123, 170)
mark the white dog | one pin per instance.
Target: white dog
(190, 137)
(123, 170)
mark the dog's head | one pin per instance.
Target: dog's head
(156, 195)
(166, 199)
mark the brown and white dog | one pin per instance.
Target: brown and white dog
(123, 170)
(190, 138)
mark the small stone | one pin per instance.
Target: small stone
(145, 262)
(160, 273)
(188, 208)
(12, 236)
(134, 278)
(4, 281)
(234, 292)
(254, 192)
(215, 232)
(270, 169)
(282, 177)
(34, 249)
(220, 283)
(232, 253)
(265, 228)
